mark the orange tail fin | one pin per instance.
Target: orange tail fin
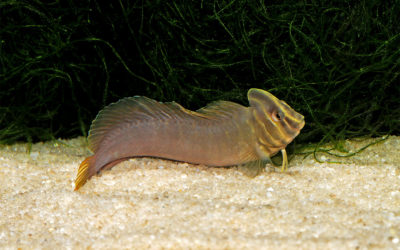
(83, 173)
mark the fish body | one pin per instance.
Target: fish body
(220, 134)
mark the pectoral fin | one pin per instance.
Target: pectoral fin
(253, 168)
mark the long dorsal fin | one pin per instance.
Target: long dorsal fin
(140, 108)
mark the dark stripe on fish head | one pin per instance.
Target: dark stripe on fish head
(275, 123)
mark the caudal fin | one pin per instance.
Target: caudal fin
(84, 172)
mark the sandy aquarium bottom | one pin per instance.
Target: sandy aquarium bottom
(153, 203)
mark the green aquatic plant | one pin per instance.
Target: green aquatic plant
(337, 63)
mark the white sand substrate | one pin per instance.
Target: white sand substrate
(152, 203)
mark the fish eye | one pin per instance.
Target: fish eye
(277, 116)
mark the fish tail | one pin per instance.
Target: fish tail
(84, 172)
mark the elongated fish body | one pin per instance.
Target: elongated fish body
(220, 134)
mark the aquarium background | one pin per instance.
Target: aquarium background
(336, 62)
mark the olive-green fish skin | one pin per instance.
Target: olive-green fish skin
(220, 134)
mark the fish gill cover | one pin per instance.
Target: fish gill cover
(336, 62)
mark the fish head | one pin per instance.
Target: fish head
(275, 123)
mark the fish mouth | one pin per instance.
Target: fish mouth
(301, 126)
(291, 138)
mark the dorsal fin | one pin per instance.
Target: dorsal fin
(221, 110)
(130, 109)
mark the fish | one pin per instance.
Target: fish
(221, 134)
